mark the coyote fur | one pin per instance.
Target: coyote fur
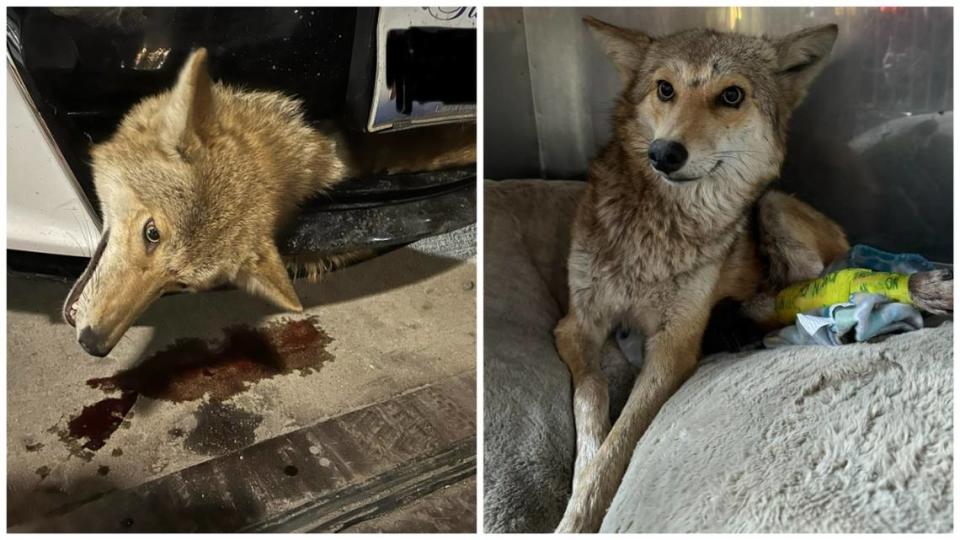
(677, 216)
(196, 183)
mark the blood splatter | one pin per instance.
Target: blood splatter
(191, 368)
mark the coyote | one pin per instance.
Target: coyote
(197, 182)
(678, 216)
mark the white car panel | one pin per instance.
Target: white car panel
(47, 211)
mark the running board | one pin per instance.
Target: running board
(367, 465)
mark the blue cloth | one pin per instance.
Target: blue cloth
(864, 256)
(867, 315)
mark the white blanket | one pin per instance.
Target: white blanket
(856, 438)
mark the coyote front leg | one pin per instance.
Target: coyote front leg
(579, 343)
(671, 358)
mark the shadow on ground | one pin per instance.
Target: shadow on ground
(182, 315)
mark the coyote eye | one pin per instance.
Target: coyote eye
(664, 90)
(151, 232)
(731, 96)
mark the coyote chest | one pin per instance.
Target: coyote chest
(648, 246)
(636, 274)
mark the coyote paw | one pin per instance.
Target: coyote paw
(579, 516)
(932, 291)
(573, 523)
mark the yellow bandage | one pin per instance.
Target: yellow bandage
(836, 288)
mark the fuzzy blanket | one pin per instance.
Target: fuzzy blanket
(804, 439)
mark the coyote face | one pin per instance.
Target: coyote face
(193, 187)
(197, 182)
(707, 106)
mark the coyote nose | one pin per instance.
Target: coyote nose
(667, 156)
(91, 343)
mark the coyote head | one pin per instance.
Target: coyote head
(193, 187)
(701, 106)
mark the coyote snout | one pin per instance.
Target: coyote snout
(108, 297)
(667, 156)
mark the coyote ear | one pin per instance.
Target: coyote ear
(191, 117)
(267, 277)
(800, 58)
(625, 47)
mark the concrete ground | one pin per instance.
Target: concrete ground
(395, 323)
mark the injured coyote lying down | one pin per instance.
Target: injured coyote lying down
(197, 182)
(678, 216)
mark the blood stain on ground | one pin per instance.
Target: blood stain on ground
(97, 422)
(191, 368)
